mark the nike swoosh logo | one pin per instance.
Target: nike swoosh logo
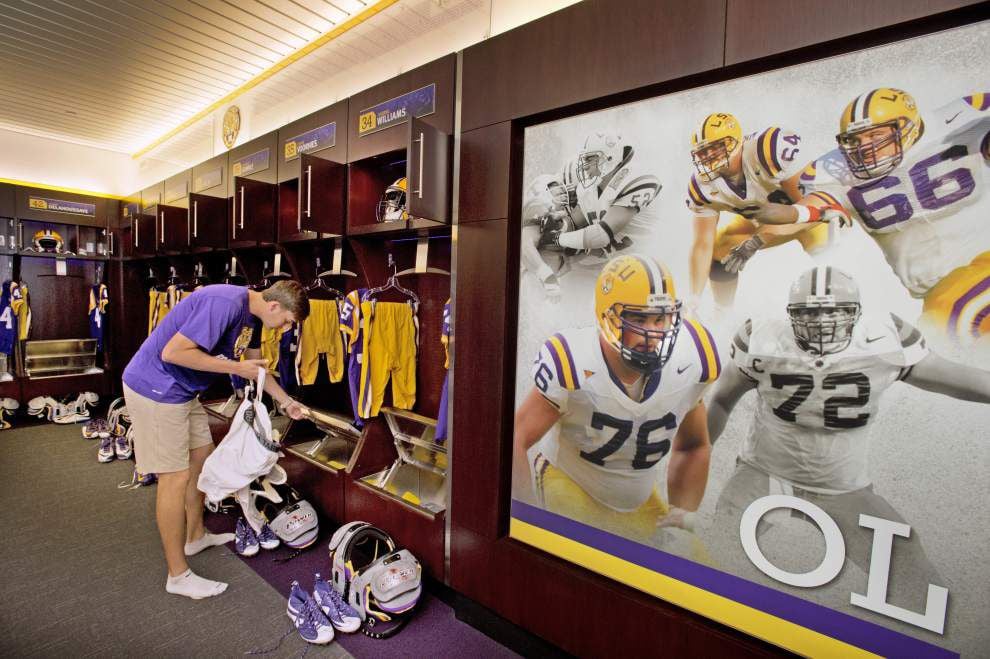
(681, 370)
(875, 338)
(950, 119)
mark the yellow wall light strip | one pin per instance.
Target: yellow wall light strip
(746, 619)
(353, 22)
(58, 188)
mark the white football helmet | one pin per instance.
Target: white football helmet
(824, 308)
(600, 155)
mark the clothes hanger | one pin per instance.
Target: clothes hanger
(390, 284)
(319, 286)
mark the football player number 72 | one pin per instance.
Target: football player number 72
(804, 384)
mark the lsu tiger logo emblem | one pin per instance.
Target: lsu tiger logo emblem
(242, 342)
(231, 125)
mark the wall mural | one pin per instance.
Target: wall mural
(753, 357)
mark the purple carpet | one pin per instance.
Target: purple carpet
(433, 630)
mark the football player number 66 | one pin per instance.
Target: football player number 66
(898, 205)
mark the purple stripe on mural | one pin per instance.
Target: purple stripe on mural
(759, 151)
(823, 620)
(773, 149)
(980, 317)
(556, 362)
(701, 351)
(963, 301)
(711, 340)
(985, 103)
(570, 360)
(698, 190)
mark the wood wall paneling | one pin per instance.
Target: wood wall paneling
(485, 173)
(8, 200)
(479, 489)
(290, 169)
(588, 50)
(764, 27)
(441, 71)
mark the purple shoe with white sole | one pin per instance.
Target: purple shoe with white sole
(341, 614)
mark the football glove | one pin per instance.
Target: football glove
(835, 215)
(736, 260)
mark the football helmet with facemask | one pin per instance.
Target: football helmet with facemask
(629, 288)
(876, 129)
(824, 308)
(600, 155)
(392, 205)
(48, 240)
(713, 144)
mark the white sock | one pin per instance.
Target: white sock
(208, 540)
(193, 586)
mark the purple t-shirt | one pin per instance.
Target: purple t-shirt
(216, 318)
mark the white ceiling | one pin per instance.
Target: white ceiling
(118, 74)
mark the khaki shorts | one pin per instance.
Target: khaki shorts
(164, 433)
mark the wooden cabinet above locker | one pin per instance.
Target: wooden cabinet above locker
(175, 230)
(312, 176)
(208, 203)
(253, 190)
(7, 200)
(399, 147)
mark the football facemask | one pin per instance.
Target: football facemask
(713, 144)
(638, 312)
(876, 129)
(712, 157)
(48, 240)
(824, 308)
(392, 205)
(823, 329)
(600, 155)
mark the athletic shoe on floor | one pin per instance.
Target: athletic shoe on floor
(341, 614)
(106, 453)
(267, 538)
(94, 427)
(245, 540)
(123, 447)
(307, 617)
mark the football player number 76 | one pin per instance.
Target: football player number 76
(645, 449)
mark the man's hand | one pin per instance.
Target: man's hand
(248, 368)
(293, 409)
(740, 254)
(677, 518)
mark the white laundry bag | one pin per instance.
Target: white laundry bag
(247, 452)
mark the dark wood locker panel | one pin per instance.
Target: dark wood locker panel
(59, 207)
(311, 175)
(315, 205)
(364, 141)
(7, 200)
(209, 178)
(758, 29)
(253, 213)
(252, 186)
(175, 230)
(428, 174)
(144, 232)
(207, 222)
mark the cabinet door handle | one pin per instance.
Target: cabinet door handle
(163, 227)
(309, 191)
(242, 208)
(195, 219)
(234, 218)
(110, 233)
(137, 226)
(419, 181)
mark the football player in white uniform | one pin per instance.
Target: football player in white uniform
(547, 206)
(607, 193)
(917, 188)
(611, 401)
(819, 379)
(735, 174)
